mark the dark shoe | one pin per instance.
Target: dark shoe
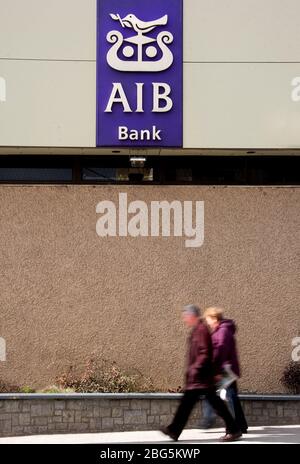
(244, 431)
(231, 437)
(167, 431)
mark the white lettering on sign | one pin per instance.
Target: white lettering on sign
(144, 134)
(158, 96)
(295, 95)
(118, 96)
(162, 102)
(2, 89)
(139, 97)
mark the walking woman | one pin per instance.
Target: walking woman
(224, 353)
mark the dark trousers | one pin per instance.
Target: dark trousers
(237, 407)
(187, 403)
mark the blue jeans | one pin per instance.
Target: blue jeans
(209, 414)
(234, 407)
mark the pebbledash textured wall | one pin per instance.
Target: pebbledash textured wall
(67, 293)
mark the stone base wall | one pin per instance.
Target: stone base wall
(49, 414)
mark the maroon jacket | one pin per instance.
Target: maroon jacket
(224, 347)
(199, 362)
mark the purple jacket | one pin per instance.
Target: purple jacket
(224, 347)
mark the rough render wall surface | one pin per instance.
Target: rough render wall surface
(67, 293)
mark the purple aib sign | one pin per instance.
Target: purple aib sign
(139, 73)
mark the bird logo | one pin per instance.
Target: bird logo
(140, 27)
(143, 27)
(145, 45)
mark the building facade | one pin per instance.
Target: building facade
(87, 267)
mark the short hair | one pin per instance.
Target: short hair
(192, 309)
(214, 311)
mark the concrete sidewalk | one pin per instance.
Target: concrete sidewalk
(280, 435)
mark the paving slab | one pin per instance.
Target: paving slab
(276, 434)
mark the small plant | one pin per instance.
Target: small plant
(291, 377)
(103, 377)
(7, 388)
(27, 389)
(175, 390)
(56, 389)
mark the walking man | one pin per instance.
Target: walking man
(199, 379)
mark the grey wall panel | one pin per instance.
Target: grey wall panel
(225, 105)
(241, 30)
(240, 105)
(43, 29)
(214, 30)
(48, 103)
